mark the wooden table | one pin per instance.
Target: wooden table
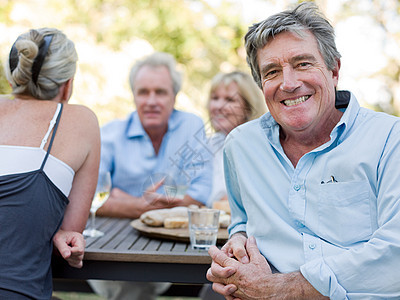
(125, 254)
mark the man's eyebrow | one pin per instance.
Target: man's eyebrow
(265, 68)
(301, 57)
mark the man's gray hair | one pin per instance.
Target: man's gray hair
(306, 16)
(158, 59)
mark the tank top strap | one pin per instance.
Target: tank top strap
(53, 124)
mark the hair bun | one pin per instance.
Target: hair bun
(27, 48)
(27, 51)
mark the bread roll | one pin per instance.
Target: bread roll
(224, 220)
(156, 217)
(222, 205)
(176, 222)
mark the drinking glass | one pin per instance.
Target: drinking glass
(203, 227)
(102, 193)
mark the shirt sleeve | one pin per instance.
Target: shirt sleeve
(370, 271)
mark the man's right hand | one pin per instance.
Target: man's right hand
(123, 205)
(155, 200)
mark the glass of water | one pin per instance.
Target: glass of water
(203, 227)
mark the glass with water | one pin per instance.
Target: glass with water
(203, 227)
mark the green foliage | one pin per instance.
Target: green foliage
(178, 27)
(204, 37)
(5, 9)
(4, 86)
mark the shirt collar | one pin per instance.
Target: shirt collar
(348, 118)
(135, 128)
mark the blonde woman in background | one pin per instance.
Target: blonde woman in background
(49, 159)
(233, 100)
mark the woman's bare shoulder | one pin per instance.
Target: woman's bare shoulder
(79, 109)
(81, 121)
(81, 114)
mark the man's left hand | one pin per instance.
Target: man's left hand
(233, 279)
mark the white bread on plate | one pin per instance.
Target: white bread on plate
(156, 217)
(176, 222)
(222, 205)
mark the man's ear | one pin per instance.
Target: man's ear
(335, 71)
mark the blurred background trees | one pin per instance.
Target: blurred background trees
(206, 37)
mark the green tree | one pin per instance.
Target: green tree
(204, 38)
(4, 86)
(200, 37)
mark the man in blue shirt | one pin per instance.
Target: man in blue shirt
(154, 145)
(314, 183)
(154, 148)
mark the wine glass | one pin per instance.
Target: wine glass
(176, 184)
(102, 192)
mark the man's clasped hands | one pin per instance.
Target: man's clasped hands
(239, 270)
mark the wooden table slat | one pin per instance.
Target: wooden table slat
(106, 225)
(180, 247)
(100, 222)
(140, 243)
(166, 246)
(119, 236)
(153, 245)
(130, 237)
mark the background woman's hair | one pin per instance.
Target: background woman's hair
(59, 64)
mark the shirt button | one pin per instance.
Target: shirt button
(311, 246)
(296, 187)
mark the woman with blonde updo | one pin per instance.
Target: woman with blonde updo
(49, 158)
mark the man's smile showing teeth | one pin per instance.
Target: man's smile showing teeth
(296, 101)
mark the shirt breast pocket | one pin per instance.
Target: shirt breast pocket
(344, 212)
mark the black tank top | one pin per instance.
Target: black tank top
(31, 211)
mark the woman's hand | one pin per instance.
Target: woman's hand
(71, 245)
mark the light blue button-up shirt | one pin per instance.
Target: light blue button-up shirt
(336, 216)
(127, 152)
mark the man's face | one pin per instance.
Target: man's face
(154, 98)
(298, 87)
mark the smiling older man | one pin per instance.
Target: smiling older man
(314, 183)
